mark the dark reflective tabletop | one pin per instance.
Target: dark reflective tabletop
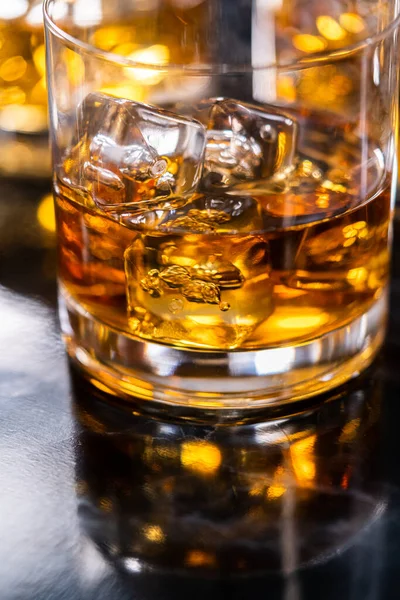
(99, 501)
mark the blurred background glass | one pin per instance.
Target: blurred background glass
(23, 95)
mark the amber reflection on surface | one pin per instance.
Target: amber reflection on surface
(196, 497)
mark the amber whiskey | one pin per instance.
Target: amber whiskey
(304, 257)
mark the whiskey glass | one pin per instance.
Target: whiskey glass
(224, 177)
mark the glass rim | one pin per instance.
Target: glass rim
(312, 59)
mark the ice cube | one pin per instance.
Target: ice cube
(247, 144)
(190, 283)
(201, 110)
(205, 213)
(131, 156)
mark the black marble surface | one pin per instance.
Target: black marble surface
(101, 502)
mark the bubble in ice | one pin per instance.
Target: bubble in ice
(247, 143)
(200, 281)
(175, 276)
(220, 272)
(151, 283)
(131, 156)
(176, 305)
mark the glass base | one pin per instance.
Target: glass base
(240, 380)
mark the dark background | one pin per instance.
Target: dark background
(77, 486)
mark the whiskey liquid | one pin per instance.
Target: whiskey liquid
(245, 271)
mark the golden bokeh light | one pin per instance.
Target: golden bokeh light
(277, 489)
(349, 431)
(352, 22)
(199, 558)
(129, 91)
(107, 38)
(46, 215)
(154, 533)
(310, 318)
(154, 55)
(13, 68)
(201, 457)
(27, 118)
(329, 28)
(167, 452)
(341, 84)
(75, 67)
(356, 230)
(39, 92)
(334, 187)
(357, 276)
(125, 49)
(105, 504)
(302, 454)
(309, 43)
(20, 157)
(286, 88)
(257, 489)
(12, 95)
(39, 59)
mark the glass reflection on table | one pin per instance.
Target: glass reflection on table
(275, 495)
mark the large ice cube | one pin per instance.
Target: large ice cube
(247, 144)
(131, 156)
(202, 279)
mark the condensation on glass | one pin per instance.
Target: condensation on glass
(223, 196)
